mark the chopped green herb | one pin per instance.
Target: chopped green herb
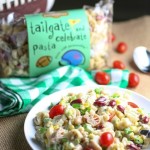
(98, 90)
(115, 95)
(88, 127)
(77, 126)
(46, 120)
(73, 97)
(42, 130)
(77, 106)
(64, 140)
(77, 141)
(83, 111)
(55, 147)
(118, 134)
(127, 130)
(138, 140)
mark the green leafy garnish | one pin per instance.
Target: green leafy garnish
(73, 97)
(138, 140)
(77, 106)
(127, 130)
(83, 111)
(77, 126)
(64, 140)
(98, 90)
(115, 95)
(46, 120)
(77, 141)
(42, 130)
(88, 127)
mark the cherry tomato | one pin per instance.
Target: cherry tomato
(121, 47)
(102, 78)
(112, 37)
(118, 64)
(56, 110)
(133, 80)
(133, 105)
(106, 139)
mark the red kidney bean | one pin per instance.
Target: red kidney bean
(121, 108)
(112, 103)
(101, 101)
(145, 119)
(139, 145)
(100, 126)
(132, 147)
(76, 101)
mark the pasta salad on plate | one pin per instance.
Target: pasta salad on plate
(98, 118)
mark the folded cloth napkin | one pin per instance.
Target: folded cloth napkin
(19, 95)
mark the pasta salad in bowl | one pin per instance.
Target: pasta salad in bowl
(89, 118)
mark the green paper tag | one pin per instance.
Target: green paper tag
(56, 39)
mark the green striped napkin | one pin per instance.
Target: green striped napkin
(19, 95)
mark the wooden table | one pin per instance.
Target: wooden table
(135, 33)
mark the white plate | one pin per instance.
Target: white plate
(55, 98)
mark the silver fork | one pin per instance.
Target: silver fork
(8, 3)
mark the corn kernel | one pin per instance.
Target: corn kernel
(133, 128)
(119, 114)
(140, 110)
(71, 127)
(136, 123)
(131, 135)
(91, 136)
(97, 95)
(56, 127)
(86, 104)
(81, 129)
(118, 102)
(62, 102)
(51, 127)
